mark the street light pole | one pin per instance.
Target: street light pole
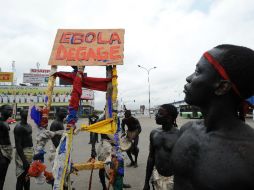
(148, 77)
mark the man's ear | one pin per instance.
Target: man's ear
(223, 87)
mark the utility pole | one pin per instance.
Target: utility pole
(148, 72)
(14, 73)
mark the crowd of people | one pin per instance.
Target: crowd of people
(215, 153)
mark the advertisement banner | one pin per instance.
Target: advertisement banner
(87, 94)
(88, 47)
(35, 78)
(36, 94)
(6, 76)
(40, 71)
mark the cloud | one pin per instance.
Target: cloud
(171, 35)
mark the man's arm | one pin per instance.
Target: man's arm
(18, 135)
(56, 139)
(150, 163)
(122, 125)
(138, 126)
(1, 136)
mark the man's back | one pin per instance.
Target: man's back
(24, 133)
(131, 122)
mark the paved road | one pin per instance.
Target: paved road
(81, 153)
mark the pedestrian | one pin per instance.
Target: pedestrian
(5, 143)
(24, 151)
(57, 126)
(217, 153)
(134, 129)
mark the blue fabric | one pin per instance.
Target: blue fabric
(39, 156)
(62, 148)
(36, 115)
(251, 100)
(120, 170)
(72, 115)
(110, 107)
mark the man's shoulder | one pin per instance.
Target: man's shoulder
(18, 128)
(157, 130)
(192, 125)
(124, 119)
(135, 119)
(55, 124)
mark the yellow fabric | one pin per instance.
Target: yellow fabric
(107, 126)
(114, 94)
(89, 165)
(67, 157)
(114, 85)
(51, 83)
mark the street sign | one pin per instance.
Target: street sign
(6, 76)
(34, 78)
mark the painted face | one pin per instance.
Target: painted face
(201, 84)
(162, 117)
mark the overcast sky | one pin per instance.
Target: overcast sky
(168, 34)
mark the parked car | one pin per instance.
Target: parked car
(11, 120)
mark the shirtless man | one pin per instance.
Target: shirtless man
(24, 151)
(162, 140)
(5, 143)
(134, 129)
(217, 153)
(58, 125)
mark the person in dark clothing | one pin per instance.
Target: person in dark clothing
(93, 119)
(133, 132)
(58, 125)
(5, 143)
(24, 151)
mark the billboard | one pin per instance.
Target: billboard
(6, 76)
(88, 47)
(40, 71)
(87, 94)
(35, 78)
(28, 94)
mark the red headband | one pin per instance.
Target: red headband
(220, 70)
